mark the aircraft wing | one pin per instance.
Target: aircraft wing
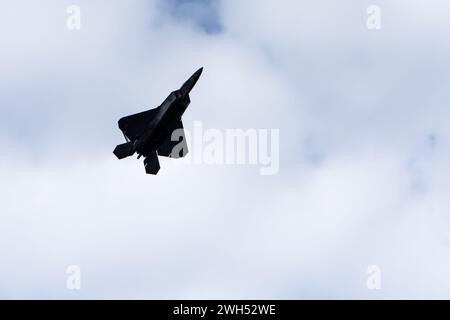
(177, 148)
(133, 126)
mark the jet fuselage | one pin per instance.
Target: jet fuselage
(169, 114)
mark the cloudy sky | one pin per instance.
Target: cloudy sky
(364, 150)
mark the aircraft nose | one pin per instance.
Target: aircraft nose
(188, 85)
(198, 73)
(194, 78)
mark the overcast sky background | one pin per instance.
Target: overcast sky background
(364, 150)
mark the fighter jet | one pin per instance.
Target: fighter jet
(158, 131)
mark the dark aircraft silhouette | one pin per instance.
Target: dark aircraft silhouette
(149, 133)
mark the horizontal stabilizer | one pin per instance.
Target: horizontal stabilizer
(151, 163)
(124, 150)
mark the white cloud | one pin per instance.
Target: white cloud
(363, 152)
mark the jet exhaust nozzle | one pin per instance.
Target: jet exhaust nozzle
(124, 150)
